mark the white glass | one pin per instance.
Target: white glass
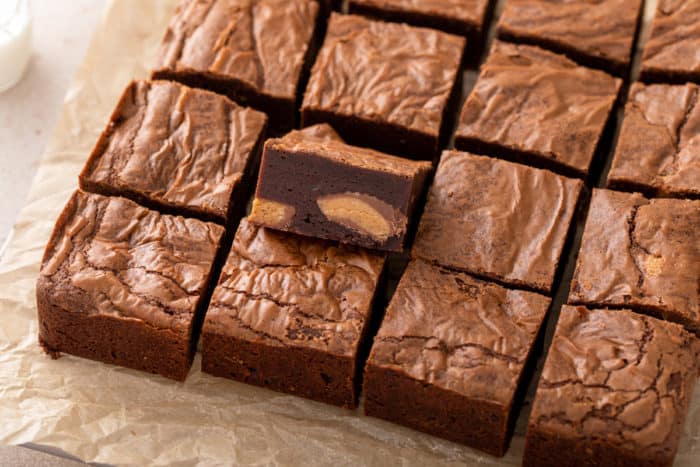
(15, 41)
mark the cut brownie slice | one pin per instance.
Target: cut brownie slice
(641, 254)
(291, 314)
(671, 53)
(254, 51)
(178, 150)
(384, 85)
(666, 159)
(503, 221)
(614, 391)
(599, 36)
(125, 285)
(328, 189)
(537, 107)
(450, 355)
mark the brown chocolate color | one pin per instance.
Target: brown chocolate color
(125, 285)
(451, 354)
(671, 53)
(614, 391)
(599, 34)
(641, 254)
(658, 150)
(496, 219)
(537, 107)
(178, 150)
(316, 185)
(291, 314)
(384, 85)
(256, 52)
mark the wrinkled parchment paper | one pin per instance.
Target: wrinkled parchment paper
(106, 414)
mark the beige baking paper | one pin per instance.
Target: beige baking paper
(101, 413)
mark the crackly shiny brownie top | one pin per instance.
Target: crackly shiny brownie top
(617, 377)
(284, 289)
(469, 11)
(532, 100)
(667, 158)
(110, 256)
(468, 336)
(675, 37)
(598, 28)
(386, 72)
(641, 253)
(177, 145)
(261, 43)
(497, 219)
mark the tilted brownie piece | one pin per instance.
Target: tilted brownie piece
(614, 391)
(671, 53)
(291, 314)
(641, 254)
(178, 150)
(254, 51)
(658, 150)
(468, 18)
(328, 189)
(537, 107)
(599, 35)
(384, 85)
(123, 284)
(496, 219)
(451, 354)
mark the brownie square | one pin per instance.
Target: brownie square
(666, 160)
(599, 35)
(499, 220)
(641, 254)
(324, 188)
(614, 390)
(451, 354)
(468, 18)
(291, 314)
(384, 85)
(537, 107)
(254, 51)
(178, 150)
(125, 285)
(671, 53)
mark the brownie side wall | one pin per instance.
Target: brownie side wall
(650, 191)
(400, 399)
(302, 372)
(651, 75)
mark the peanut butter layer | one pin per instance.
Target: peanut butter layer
(177, 149)
(641, 254)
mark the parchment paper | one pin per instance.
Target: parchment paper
(102, 413)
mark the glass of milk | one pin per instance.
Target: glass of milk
(15, 41)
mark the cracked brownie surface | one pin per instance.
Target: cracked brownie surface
(176, 147)
(615, 386)
(667, 159)
(642, 254)
(497, 219)
(537, 106)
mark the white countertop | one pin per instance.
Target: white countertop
(28, 111)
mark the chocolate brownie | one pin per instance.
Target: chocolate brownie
(178, 150)
(598, 34)
(468, 18)
(291, 314)
(614, 391)
(537, 107)
(254, 51)
(384, 85)
(450, 355)
(671, 53)
(328, 189)
(122, 284)
(641, 254)
(666, 159)
(496, 219)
